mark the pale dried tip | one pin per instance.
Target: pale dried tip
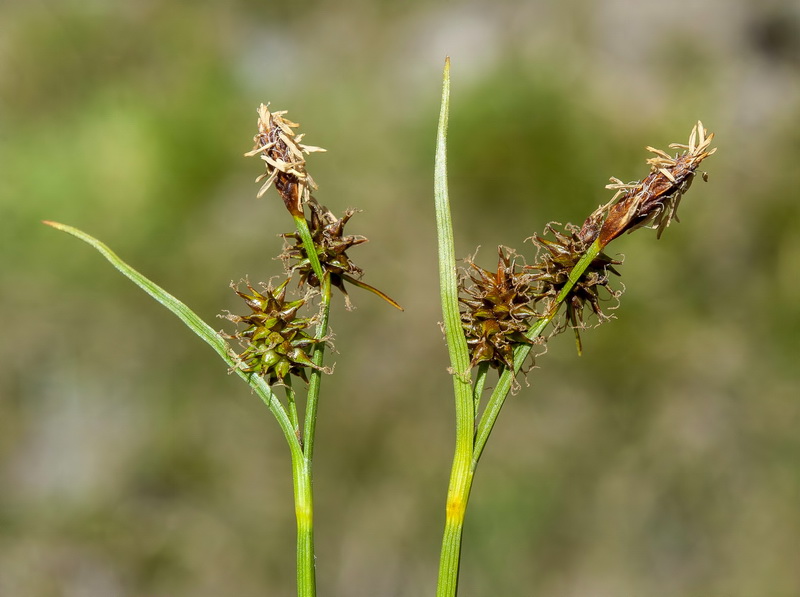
(307, 148)
(258, 150)
(282, 152)
(660, 153)
(288, 138)
(616, 183)
(668, 174)
(264, 188)
(284, 126)
(285, 167)
(263, 115)
(693, 140)
(706, 144)
(699, 142)
(286, 122)
(267, 184)
(269, 119)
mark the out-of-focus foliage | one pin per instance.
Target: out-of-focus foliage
(662, 463)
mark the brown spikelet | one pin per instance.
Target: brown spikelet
(331, 244)
(282, 152)
(556, 258)
(654, 201)
(496, 308)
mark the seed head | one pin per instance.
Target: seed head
(556, 258)
(653, 202)
(331, 244)
(281, 150)
(496, 310)
(327, 233)
(275, 339)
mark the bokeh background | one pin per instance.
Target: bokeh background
(664, 462)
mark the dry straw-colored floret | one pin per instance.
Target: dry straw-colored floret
(653, 202)
(283, 153)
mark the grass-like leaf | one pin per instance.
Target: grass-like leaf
(460, 475)
(448, 272)
(194, 323)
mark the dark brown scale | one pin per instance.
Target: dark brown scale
(557, 259)
(496, 311)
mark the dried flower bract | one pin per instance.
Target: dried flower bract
(654, 201)
(282, 151)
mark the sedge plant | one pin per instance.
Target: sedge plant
(283, 337)
(492, 319)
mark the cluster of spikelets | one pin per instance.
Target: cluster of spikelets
(498, 309)
(276, 339)
(556, 259)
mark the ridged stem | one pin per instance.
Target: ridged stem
(304, 513)
(310, 421)
(301, 225)
(291, 402)
(302, 467)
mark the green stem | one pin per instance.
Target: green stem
(500, 392)
(304, 513)
(292, 404)
(302, 467)
(457, 498)
(310, 422)
(480, 382)
(460, 476)
(308, 244)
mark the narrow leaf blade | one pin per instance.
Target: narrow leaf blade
(448, 274)
(198, 326)
(184, 313)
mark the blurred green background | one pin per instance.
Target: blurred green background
(664, 462)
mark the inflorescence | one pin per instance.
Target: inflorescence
(497, 309)
(282, 151)
(276, 341)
